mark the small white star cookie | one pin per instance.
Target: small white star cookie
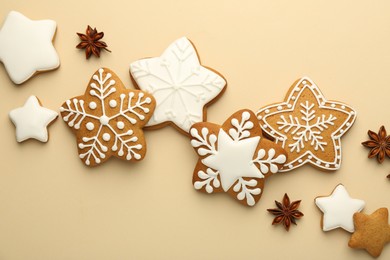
(32, 120)
(338, 209)
(26, 46)
(181, 86)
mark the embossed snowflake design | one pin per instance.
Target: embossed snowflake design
(108, 118)
(308, 126)
(234, 158)
(307, 129)
(181, 86)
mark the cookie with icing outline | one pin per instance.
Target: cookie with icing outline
(338, 209)
(235, 157)
(108, 119)
(308, 126)
(183, 88)
(26, 46)
(32, 120)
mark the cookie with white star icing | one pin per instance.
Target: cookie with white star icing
(108, 119)
(308, 126)
(235, 157)
(183, 88)
(31, 120)
(26, 46)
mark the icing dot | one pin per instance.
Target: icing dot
(292, 98)
(120, 125)
(300, 161)
(318, 162)
(327, 165)
(266, 111)
(90, 126)
(106, 137)
(304, 82)
(343, 107)
(259, 117)
(337, 147)
(341, 131)
(104, 120)
(298, 89)
(92, 105)
(352, 112)
(337, 165)
(279, 108)
(265, 126)
(289, 105)
(272, 132)
(333, 105)
(310, 157)
(323, 103)
(290, 166)
(112, 103)
(348, 124)
(281, 139)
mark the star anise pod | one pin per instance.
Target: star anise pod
(286, 212)
(91, 42)
(379, 144)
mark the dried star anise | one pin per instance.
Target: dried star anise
(91, 42)
(286, 213)
(379, 144)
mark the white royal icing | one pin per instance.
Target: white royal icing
(181, 86)
(26, 46)
(125, 142)
(307, 129)
(338, 209)
(31, 120)
(233, 159)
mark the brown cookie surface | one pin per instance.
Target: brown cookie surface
(108, 119)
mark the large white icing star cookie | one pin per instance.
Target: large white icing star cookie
(31, 120)
(338, 209)
(181, 85)
(108, 119)
(234, 157)
(26, 46)
(308, 126)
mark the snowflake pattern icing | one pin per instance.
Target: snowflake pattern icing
(308, 125)
(242, 178)
(180, 84)
(108, 119)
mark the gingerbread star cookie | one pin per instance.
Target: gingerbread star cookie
(31, 120)
(308, 126)
(26, 46)
(372, 232)
(234, 157)
(108, 119)
(338, 209)
(181, 85)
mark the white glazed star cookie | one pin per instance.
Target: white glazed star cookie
(26, 46)
(234, 157)
(308, 126)
(338, 209)
(181, 85)
(31, 120)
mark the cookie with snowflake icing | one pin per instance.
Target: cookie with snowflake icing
(108, 119)
(234, 157)
(308, 126)
(181, 85)
(26, 46)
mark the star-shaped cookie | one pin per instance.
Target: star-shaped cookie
(234, 157)
(31, 120)
(372, 232)
(108, 119)
(308, 126)
(338, 209)
(26, 46)
(181, 85)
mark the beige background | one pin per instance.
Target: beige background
(53, 207)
